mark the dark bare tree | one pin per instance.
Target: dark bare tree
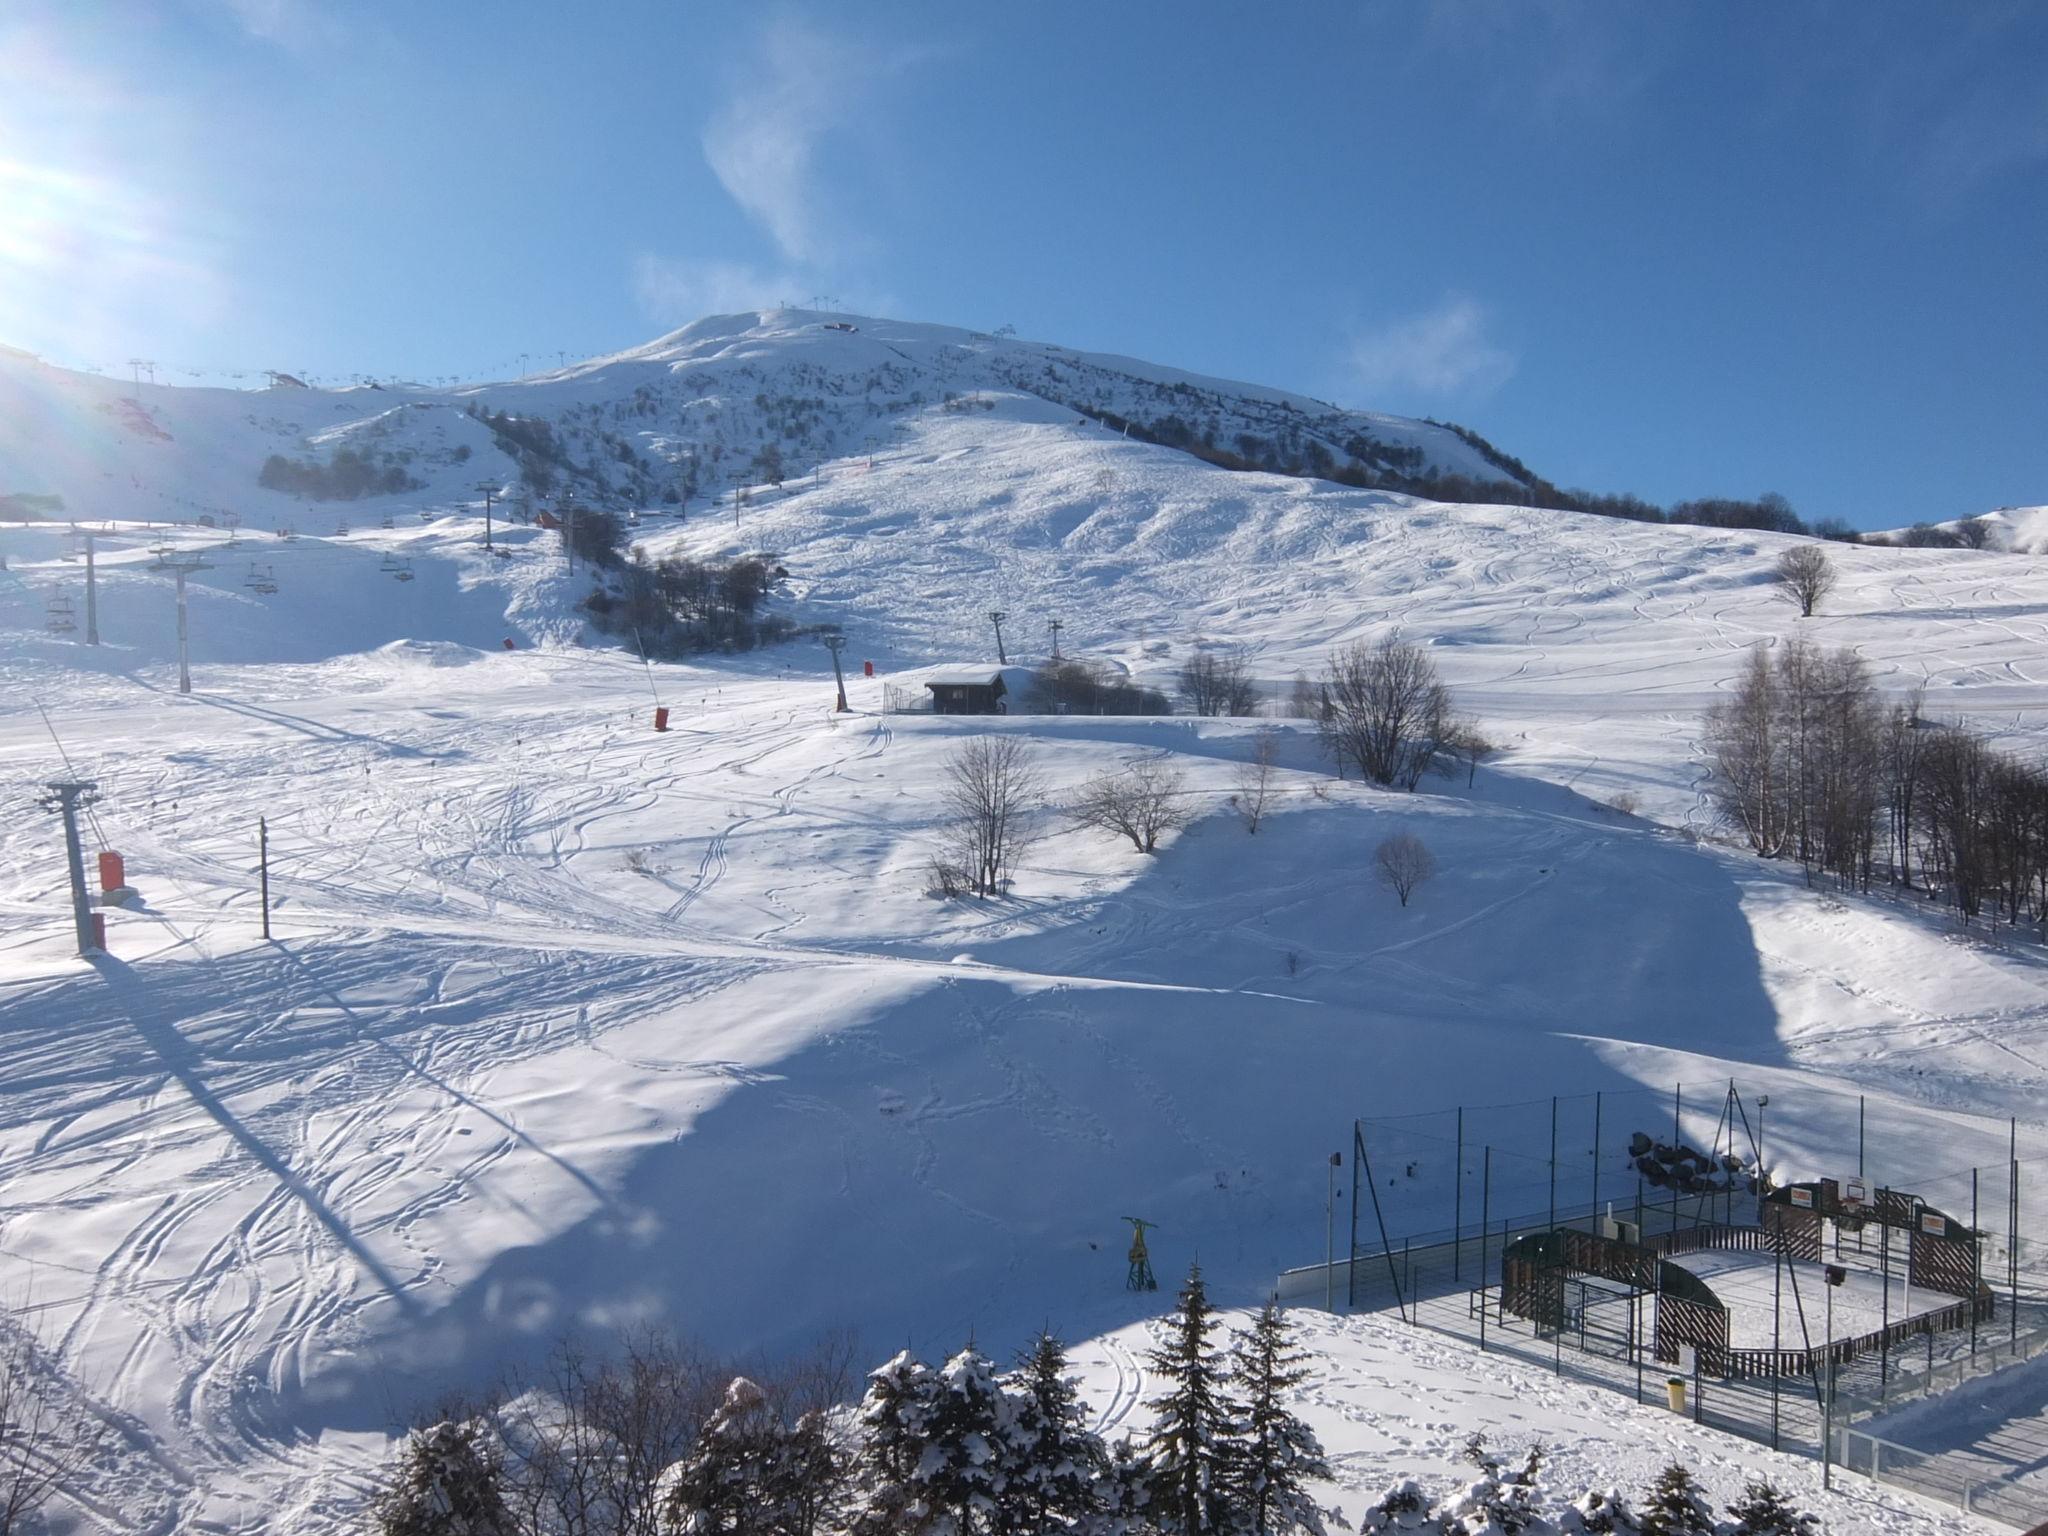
(1218, 682)
(991, 788)
(1142, 802)
(1404, 863)
(43, 1449)
(1807, 575)
(1388, 712)
(1255, 778)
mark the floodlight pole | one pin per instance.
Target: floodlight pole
(1055, 626)
(1330, 1237)
(263, 866)
(835, 644)
(996, 617)
(92, 596)
(70, 793)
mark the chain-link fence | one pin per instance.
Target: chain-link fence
(1440, 1196)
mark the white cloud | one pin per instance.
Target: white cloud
(1442, 351)
(298, 25)
(802, 87)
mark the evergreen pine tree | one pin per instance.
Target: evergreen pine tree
(1764, 1511)
(1495, 1503)
(726, 1486)
(895, 1419)
(1192, 1456)
(1403, 1507)
(446, 1484)
(810, 1475)
(1124, 1495)
(1676, 1507)
(1280, 1452)
(1060, 1462)
(968, 1458)
(1598, 1512)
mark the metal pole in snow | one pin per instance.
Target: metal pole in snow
(184, 656)
(263, 866)
(69, 793)
(92, 596)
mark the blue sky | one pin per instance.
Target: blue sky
(1675, 249)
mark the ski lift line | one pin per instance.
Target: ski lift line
(98, 832)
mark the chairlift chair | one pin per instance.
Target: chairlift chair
(404, 571)
(60, 620)
(261, 580)
(389, 566)
(389, 521)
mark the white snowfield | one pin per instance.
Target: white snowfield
(566, 1024)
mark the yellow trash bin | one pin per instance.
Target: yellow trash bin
(1674, 1386)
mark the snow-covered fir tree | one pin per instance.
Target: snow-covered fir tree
(446, 1484)
(895, 1436)
(1676, 1507)
(750, 1474)
(1124, 1496)
(1279, 1452)
(1496, 1502)
(1060, 1464)
(1598, 1512)
(968, 1455)
(1763, 1511)
(1403, 1507)
(1192, 1455)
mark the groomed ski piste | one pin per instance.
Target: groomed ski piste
(566, 1024)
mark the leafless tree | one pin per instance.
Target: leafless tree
(1142, 802)
(1255, 778)
(43, 1449)
(1807, 575)
(1467, 744)
(1404, 863)
(1217, 682)
(1388, 712)
(991, 787)
(1306, 700)
(1975, 532)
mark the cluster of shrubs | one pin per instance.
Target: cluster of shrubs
(348, 476)
(1078, 686)
(1689, 1170)
(678, 607)
(1504, 1502)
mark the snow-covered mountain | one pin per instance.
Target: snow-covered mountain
(670, 424)
(568, 1024)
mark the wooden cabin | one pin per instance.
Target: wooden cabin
(976, 692)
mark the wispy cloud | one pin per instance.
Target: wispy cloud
(1441, 352)
(802, 87)
(300, 26)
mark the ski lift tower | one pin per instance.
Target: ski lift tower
(181, 566)
(68, 797)
(1140, 1277)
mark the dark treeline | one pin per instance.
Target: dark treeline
(1376, 466)
(1810, 763)
(348, 476)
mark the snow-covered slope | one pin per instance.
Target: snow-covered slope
(669, 424)
(566, 1023)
